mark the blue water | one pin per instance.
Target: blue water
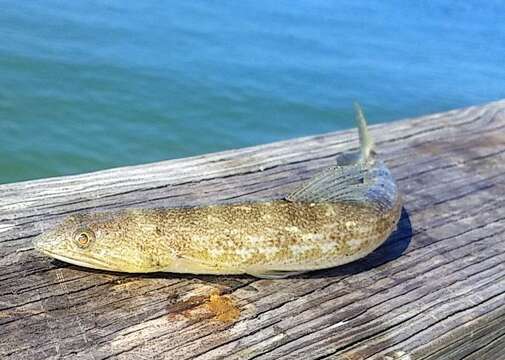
(87, 85)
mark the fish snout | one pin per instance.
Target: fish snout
(43, 243)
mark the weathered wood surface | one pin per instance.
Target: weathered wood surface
(435, 290)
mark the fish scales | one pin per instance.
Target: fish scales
(278, 234)
(239, 236)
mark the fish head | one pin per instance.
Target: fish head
(101, 240)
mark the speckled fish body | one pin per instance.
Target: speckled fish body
(341, 215)
(252, 238)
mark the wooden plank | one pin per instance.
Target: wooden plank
(435, 290)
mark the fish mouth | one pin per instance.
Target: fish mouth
(94, 264)
(43, 246)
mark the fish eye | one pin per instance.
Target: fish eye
(83, 237)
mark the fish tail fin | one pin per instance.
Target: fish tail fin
(366, 152)
(358, 177)
(366, 143)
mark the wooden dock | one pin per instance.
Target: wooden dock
(435, 290)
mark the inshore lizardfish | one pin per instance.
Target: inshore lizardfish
(342, 214)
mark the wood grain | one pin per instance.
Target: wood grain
(435, 290)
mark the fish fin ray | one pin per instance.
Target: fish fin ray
(341, 183)
(356, 183)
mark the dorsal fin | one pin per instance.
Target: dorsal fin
(358, 177)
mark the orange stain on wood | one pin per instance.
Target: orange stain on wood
(223, 308)
(214, 306)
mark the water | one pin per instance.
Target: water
(88, 85)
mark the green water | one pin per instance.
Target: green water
(91, 85)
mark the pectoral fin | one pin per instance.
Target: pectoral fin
(341, 183)
(349, 181)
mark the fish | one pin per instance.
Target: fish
(340, 215)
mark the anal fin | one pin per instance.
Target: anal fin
(273, 274)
